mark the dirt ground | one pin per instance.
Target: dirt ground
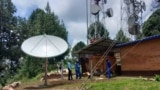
(56, 83)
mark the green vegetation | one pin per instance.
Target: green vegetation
(152, 25)
(39, 22)
(77, 47)
(157, 78)
(97, 30)
(120, 36)
(29, 69)
(124, 84)
(116, 83)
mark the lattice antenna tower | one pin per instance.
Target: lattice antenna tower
(97, 11)
(133, 10)
(124, 17)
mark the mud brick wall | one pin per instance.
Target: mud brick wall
(143, 56)
(102, 66)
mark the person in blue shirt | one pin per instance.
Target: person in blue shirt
(108, 67)
(69, 70)
(77, 70)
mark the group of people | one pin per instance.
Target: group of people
(77, 70)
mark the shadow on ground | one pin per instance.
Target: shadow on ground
(53, 84)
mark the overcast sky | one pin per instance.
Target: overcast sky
(73, 13)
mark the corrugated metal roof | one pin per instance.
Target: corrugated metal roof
(98, 46)
(137, 41)
(102, 45)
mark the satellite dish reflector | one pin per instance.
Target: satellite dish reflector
(109, 12)
(144, 6)
(44, 46)
(132, 19)
(135, 29)
(95, 9)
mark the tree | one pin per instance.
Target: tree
(77, 47)
(139, 36)
(9, 39)
(152, 25)
(7, 9)
(48, 9)
(30, 68)
(42, 22)
(120, 36)
(97, 30)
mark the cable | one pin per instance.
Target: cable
(98, 63)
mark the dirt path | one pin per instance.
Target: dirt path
(54, 84)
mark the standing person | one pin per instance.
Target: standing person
(69, 71)
(108, 73)
(77, 69)
(58, 66)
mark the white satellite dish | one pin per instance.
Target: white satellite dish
(44, 46)
(95, 9)
(132, 19)
(109, 12)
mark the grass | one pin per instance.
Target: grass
(125, 84)
(116, 83)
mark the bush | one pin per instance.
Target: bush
(157, 78)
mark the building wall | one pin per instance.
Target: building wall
(94, 59)
(141, 58)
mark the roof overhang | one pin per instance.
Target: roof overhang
(99, 46)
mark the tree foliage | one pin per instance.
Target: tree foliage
(97, 30)
(42, 22)
(77, 47)
(7, 9)
(9, 40)
(30, 67)
(152, 25)
(120, 36)
(39, 22)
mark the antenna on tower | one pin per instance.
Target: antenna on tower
(134, 10)
(96, 10)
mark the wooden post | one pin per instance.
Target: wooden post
(91, 69)
(62, 69)
(46, 66)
